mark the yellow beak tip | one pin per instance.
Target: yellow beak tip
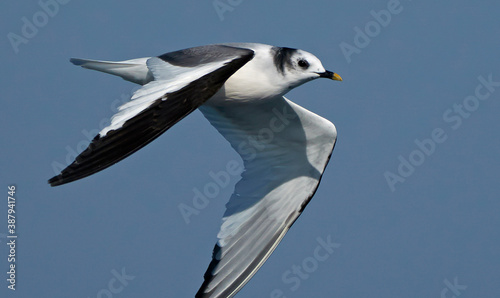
(336, 77)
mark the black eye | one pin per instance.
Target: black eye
(303, 63)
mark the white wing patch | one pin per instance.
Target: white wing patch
(167, 79)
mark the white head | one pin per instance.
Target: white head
(299, 67)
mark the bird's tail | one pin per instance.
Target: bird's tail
(134, 70)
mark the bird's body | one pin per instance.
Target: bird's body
(239, 88)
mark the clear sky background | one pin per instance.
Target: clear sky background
(407, 221)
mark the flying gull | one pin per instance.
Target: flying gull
(239, 88)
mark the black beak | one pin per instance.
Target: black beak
(330, 75)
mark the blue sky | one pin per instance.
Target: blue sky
(410, 197)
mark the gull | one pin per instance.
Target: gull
(239, 88)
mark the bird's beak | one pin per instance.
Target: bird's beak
(330, 75)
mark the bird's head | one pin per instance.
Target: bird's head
(299, 67)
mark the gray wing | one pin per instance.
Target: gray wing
(177, 90)
(285, 149)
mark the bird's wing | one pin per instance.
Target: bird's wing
(177, 90)
(285, 149)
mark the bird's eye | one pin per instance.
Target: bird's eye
(303, 63)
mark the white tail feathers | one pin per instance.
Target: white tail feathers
(134, 70)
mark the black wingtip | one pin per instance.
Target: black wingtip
(208, 274)
(56, 181)
(76, 61)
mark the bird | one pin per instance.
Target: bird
(239, 88)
